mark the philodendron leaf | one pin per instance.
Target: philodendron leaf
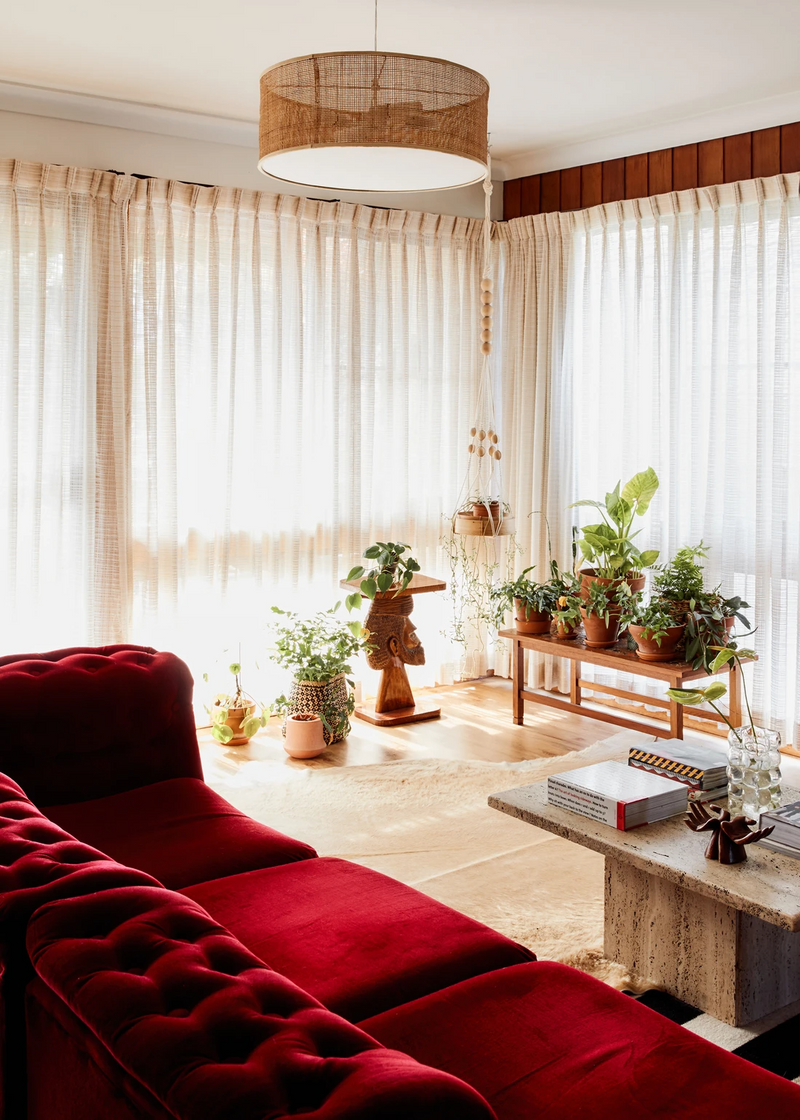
(355, 628)
(691, 697)
(648, 557)
(356, 573)
(222, 733)
(722, 658)
(640, 490)
(352, 602)
(715, 690)
(384, 581)
(373, 552)
(369, 588)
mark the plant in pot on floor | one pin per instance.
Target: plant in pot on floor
(608, 546)
(653, 629)
(318, 651)
(531, 602)
(236, 716)
(392, 569)
(602, 609)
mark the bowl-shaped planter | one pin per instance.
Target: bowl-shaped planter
(599, 633)
(529, 621)
(304, 735)
(648, 649)
(635, 580)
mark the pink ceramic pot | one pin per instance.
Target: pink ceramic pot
(304, 736)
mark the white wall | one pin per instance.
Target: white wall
(77, 143)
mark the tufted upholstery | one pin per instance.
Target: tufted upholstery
(82, 724)
(212, 1032)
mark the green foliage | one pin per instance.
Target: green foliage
(540, 597)
(682, 578)
(334, 717)
(391, 569)
(607, 599)
(706, 629)
(716, 690)
(655, 617)
(233, 702)
(608, 546)
(568, 611)
(320, 647)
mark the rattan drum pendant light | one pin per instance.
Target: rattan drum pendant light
(373, 121)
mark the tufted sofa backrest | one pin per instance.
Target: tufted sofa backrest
(211, 1031)
(85, 723)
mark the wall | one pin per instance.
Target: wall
(77, 143)
(748, 155)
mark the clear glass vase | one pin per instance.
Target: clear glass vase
(754, 771)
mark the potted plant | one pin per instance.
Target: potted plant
(391, 569)
(532, 602)
(654, 631)
(318, 651)
(608, 546)
(304, 735)
(567, 616)
(602, 609)
(679, 584)
(235, 716)
(709, 626)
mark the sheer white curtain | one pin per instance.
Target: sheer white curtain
(676, 341)
(215, 399)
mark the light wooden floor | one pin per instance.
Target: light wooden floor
(475, 724)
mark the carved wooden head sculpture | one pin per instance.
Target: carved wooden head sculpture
(728, 837)
(392, 632)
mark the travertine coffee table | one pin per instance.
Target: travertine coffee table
(725, 939)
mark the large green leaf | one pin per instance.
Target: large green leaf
(715, 690)
(222, 733)
(353, 602)
(356, 573)
(691, 697)
(250, 726)
(722, 658)
(640, 489)
(373, 552)
(355, 628)
(648, 557)
(384, 581)
(369, 588)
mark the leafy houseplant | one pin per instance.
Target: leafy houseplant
(708, 626)
(567, 615)
(391, 569)
(533, 603)
(318, 651)
(233, 714)
(654, 630)
(680, 582)
(602, 610)
(608, 546)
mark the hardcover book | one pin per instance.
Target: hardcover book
(616, 794)
(683, 760)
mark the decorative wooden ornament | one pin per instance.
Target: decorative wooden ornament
(486, 284)
(481, 451)
(473, 431)
(486, 321)
(486, 336)
(486, 348)
(728, 836)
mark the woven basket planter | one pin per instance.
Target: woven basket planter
(318, 697)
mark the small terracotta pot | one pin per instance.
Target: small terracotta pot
(598, 635)
(566, 632)
(479, 510)
(635, 581)
(648, 649)
(536, 622)
(304, 736)
(236, 717)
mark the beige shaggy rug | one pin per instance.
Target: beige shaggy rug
(426, 822)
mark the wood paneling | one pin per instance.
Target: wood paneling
(659, 171)
(769, 151)
(571, 188)
(737, 157)
(613, 180)
(684, 167)
(636, 176)
(766, 153)
(551, 191)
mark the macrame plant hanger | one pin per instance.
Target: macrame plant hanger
(480, 510)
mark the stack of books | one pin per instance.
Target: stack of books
(693, 764)
(617, 794)
(786, 837)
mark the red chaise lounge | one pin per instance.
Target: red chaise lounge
(276, 983)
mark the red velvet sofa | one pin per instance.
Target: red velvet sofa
(165, 956)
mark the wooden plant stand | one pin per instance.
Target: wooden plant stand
(674, 674)
(388, 618)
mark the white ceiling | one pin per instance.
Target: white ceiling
(566, 75)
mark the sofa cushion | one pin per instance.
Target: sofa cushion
(357, 940)
(210, 1031)
(180, 831)
(81, 724)
(549, 1042)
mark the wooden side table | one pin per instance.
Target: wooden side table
(397, 645)
(674, 674)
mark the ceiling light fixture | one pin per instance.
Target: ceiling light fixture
(373, 121)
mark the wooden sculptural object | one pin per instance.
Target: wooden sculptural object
(394, 636)
(728, 836)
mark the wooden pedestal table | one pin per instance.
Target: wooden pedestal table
(723, 938)
(674, 674)
(397, 645)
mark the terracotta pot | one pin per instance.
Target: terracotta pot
(536, 622)
(305, 736)
(648, 649)
(479, 510)
(566, 632)
(635, 581)
(598, 635)
(236, 717)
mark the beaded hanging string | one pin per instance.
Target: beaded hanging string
(483, 480)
